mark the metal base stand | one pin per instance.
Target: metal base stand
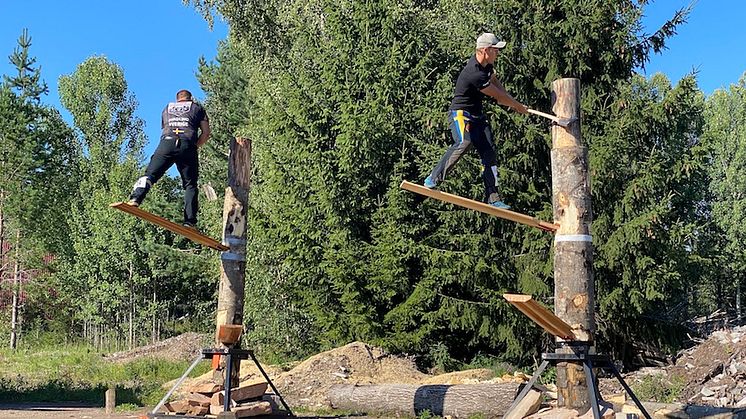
(580, 355)
(231, 354)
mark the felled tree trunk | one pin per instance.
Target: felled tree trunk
(459, 401)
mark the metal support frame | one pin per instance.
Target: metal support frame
(231, 354)
(580, 355)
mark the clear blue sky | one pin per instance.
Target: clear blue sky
(157, 42)
(142, 36)
(713, 41)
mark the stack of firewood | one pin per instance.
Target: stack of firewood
(207, 399)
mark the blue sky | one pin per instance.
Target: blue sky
(713, 41)
(158, 43)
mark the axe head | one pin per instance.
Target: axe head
(565, 122)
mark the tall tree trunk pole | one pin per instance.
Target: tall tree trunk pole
(2, 234)
(574, 296)
(16, 294)
(233, 261)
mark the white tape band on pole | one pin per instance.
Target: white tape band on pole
(572, 238)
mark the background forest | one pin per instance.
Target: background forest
(342, 101)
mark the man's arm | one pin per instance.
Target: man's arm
(204, 135)
(496, 91)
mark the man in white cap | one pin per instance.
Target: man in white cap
(469, 126)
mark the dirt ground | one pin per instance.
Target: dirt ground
(59, 411)
(713, 373)
(178, 348)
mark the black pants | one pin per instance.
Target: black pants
(468, 131)
(171, 150)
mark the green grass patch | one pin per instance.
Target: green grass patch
(659, 388)
(77, 373)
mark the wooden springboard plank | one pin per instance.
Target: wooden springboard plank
(480, 206)
(187, 232)
(540, 315)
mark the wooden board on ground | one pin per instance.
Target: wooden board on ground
(540, 315)
(480, 206)
(187, 232)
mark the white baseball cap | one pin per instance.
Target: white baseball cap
(489, 40)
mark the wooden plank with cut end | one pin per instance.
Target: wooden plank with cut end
(540, 315)
(241, 393)
(246, 410)
(206, 388)
(198, 399)
(480, 206)
(187, 232)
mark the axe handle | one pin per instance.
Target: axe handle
(545, 115)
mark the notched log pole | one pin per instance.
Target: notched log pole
(233, 261)
(574, 296)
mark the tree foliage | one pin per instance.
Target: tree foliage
(343, 100)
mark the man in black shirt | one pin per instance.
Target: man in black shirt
(469, 127)
(180, 121)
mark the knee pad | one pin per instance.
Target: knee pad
(143, 182)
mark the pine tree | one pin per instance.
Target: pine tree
(725, 134)
(346, 99)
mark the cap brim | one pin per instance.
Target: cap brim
(500, 44)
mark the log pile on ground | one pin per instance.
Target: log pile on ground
(721, 382)
(712, 373)
(207, 399)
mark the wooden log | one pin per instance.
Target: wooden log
(240, 394)
(177, 407)
(574, 296)
(246, 410)
(527, 406)
(198, 410)
(458, 401)
(233, 262)
(206, 388)
(111, 399)
(198, 399)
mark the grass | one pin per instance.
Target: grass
(658, 388)
(77, 373)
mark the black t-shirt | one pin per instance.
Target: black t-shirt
(182, 119)
(473, 78)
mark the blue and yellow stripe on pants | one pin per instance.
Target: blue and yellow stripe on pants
(461, 118)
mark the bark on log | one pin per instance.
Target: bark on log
(233, 261)
(458, 401)
(574, 295)
(110, 397)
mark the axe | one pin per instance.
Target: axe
(563, 122)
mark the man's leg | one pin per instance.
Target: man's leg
(188, 165)
(461, 144)
(161, 160)
(482, 139)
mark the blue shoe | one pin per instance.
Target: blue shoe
(429, 183)
(500, 205)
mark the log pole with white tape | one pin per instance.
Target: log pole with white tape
(574, 296)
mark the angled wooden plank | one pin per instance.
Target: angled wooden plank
(480, 206)
(540, 315)
(187, 232)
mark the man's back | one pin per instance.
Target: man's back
(181, 119)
